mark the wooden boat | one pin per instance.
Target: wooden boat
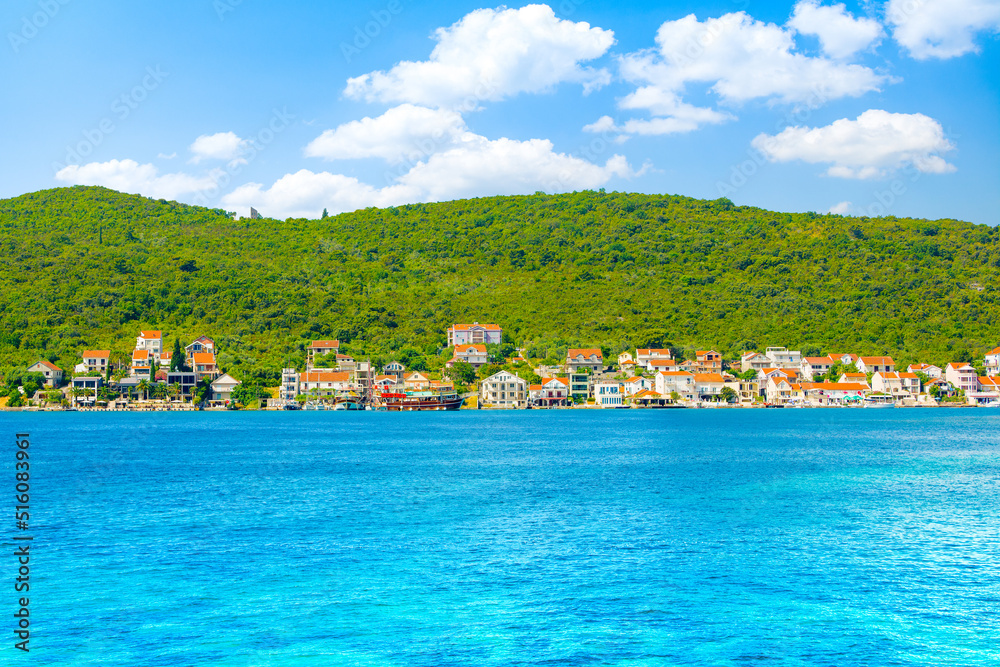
(421, 400)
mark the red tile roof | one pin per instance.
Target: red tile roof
(584, 352)
(466, 327)
(151, 335)
(325, 376)
(324, 344)
(96, 354)
(203, 358)
(471, 347)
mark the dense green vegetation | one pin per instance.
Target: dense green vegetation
(87, 267)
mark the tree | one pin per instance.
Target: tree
(728, 394)
(143, 387)
(325, 215)
(487, 370)
(177, 360)
(462, 371)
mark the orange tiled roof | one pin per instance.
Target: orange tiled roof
(203, 358)
(150, 335)
(474, 347)
(878, 361)
(708, 377)
(466, 327)
(843, 386)
(317, 344)
(651, 351)
(140, 354)
(325, 376)
(48, 364)
(96, 354)
(585, 352)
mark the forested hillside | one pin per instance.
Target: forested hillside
(87, 267)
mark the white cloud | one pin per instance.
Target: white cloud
(843, 208)
(164, 156)
(130, 176)
(475, 166)
(406, 132)
(872, 146)
(840, 34)
(219, 146)
(740, 59)
(941, 28)
(491, 54)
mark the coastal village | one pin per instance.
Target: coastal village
(190, 378)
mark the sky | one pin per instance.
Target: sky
(889, 107)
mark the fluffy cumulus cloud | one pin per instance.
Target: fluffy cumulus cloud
(144, 179)
(219, 146)
(941, 28)
(474, 166)
(491, 54)
(406, 132)
(843, 208)
(840, 34)
(872, 146)
(739, 59)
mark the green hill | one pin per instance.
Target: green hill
(87, 267)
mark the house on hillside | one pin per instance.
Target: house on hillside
(608, 394)
(634, 385)
(929, 370)
(708, 361)
(504, 390)
(152, 342)
(222, 388)
(474, 334)
(416, 381)
(474, 354)
(96, 360)
(394, 368)
(200, 344)
(754, 361)
(53, 374)
(875, 365)
(992, 362)
(854, 378)
(320, 348)
(815, 366)
(386, 383)
(898, 385)
(203, 365)
(645, 355)
(579, 358)
(681, 382)
(782, 357)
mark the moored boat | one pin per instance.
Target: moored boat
(421, 400)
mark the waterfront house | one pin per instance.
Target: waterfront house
(473, 353)
(579, 358)
(645, 355)
(165, 358)
(708, 386)
(608, 394)
(814, 366)
(222, 388)
(992, 362)
(96, 360)
(634, 385)
(929, 370)
(779, 390)
(324, 383)
(988, 392)
(550, 393)
(504, 390)
(416, 381)
(142, 362)
(580, 385)
(834, 393)
(875, 364)
(854, 378)
(200, 344)
(320, 348)
(474, 334)
(203, 364)
(185, 381)
(681, 382)
(152, 342)
(289, 387)
(782, 357)
(84, 389)
(649, 398)
(898, 385)
(790, 374)
(962, 376)
(53, 374)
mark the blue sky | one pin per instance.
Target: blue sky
(862, 108)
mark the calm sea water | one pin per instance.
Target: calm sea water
(697, 537)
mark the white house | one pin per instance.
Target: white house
(681, 382)
(992, 362)
(708, 385)
(320, 348)
(96, 360)
(53, 374)
(875, 364)
(834, 393)
(551, 392)
(200, 344)
(152, 342)
(899, 385)
(504, 390)
(474, 354)
(608, 395)
(578, 358)
(222, 388)
(475, 333)
(625, 356)
(813, 366)
(324, 383)
(289, 384)
(930, 370)
(783, 357)
(854, 378)
(780, 390)
(644, 355)
(394, 368)
(634, 385)
(416, 381)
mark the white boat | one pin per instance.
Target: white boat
(879, 401)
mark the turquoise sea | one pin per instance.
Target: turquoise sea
(688, 537)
